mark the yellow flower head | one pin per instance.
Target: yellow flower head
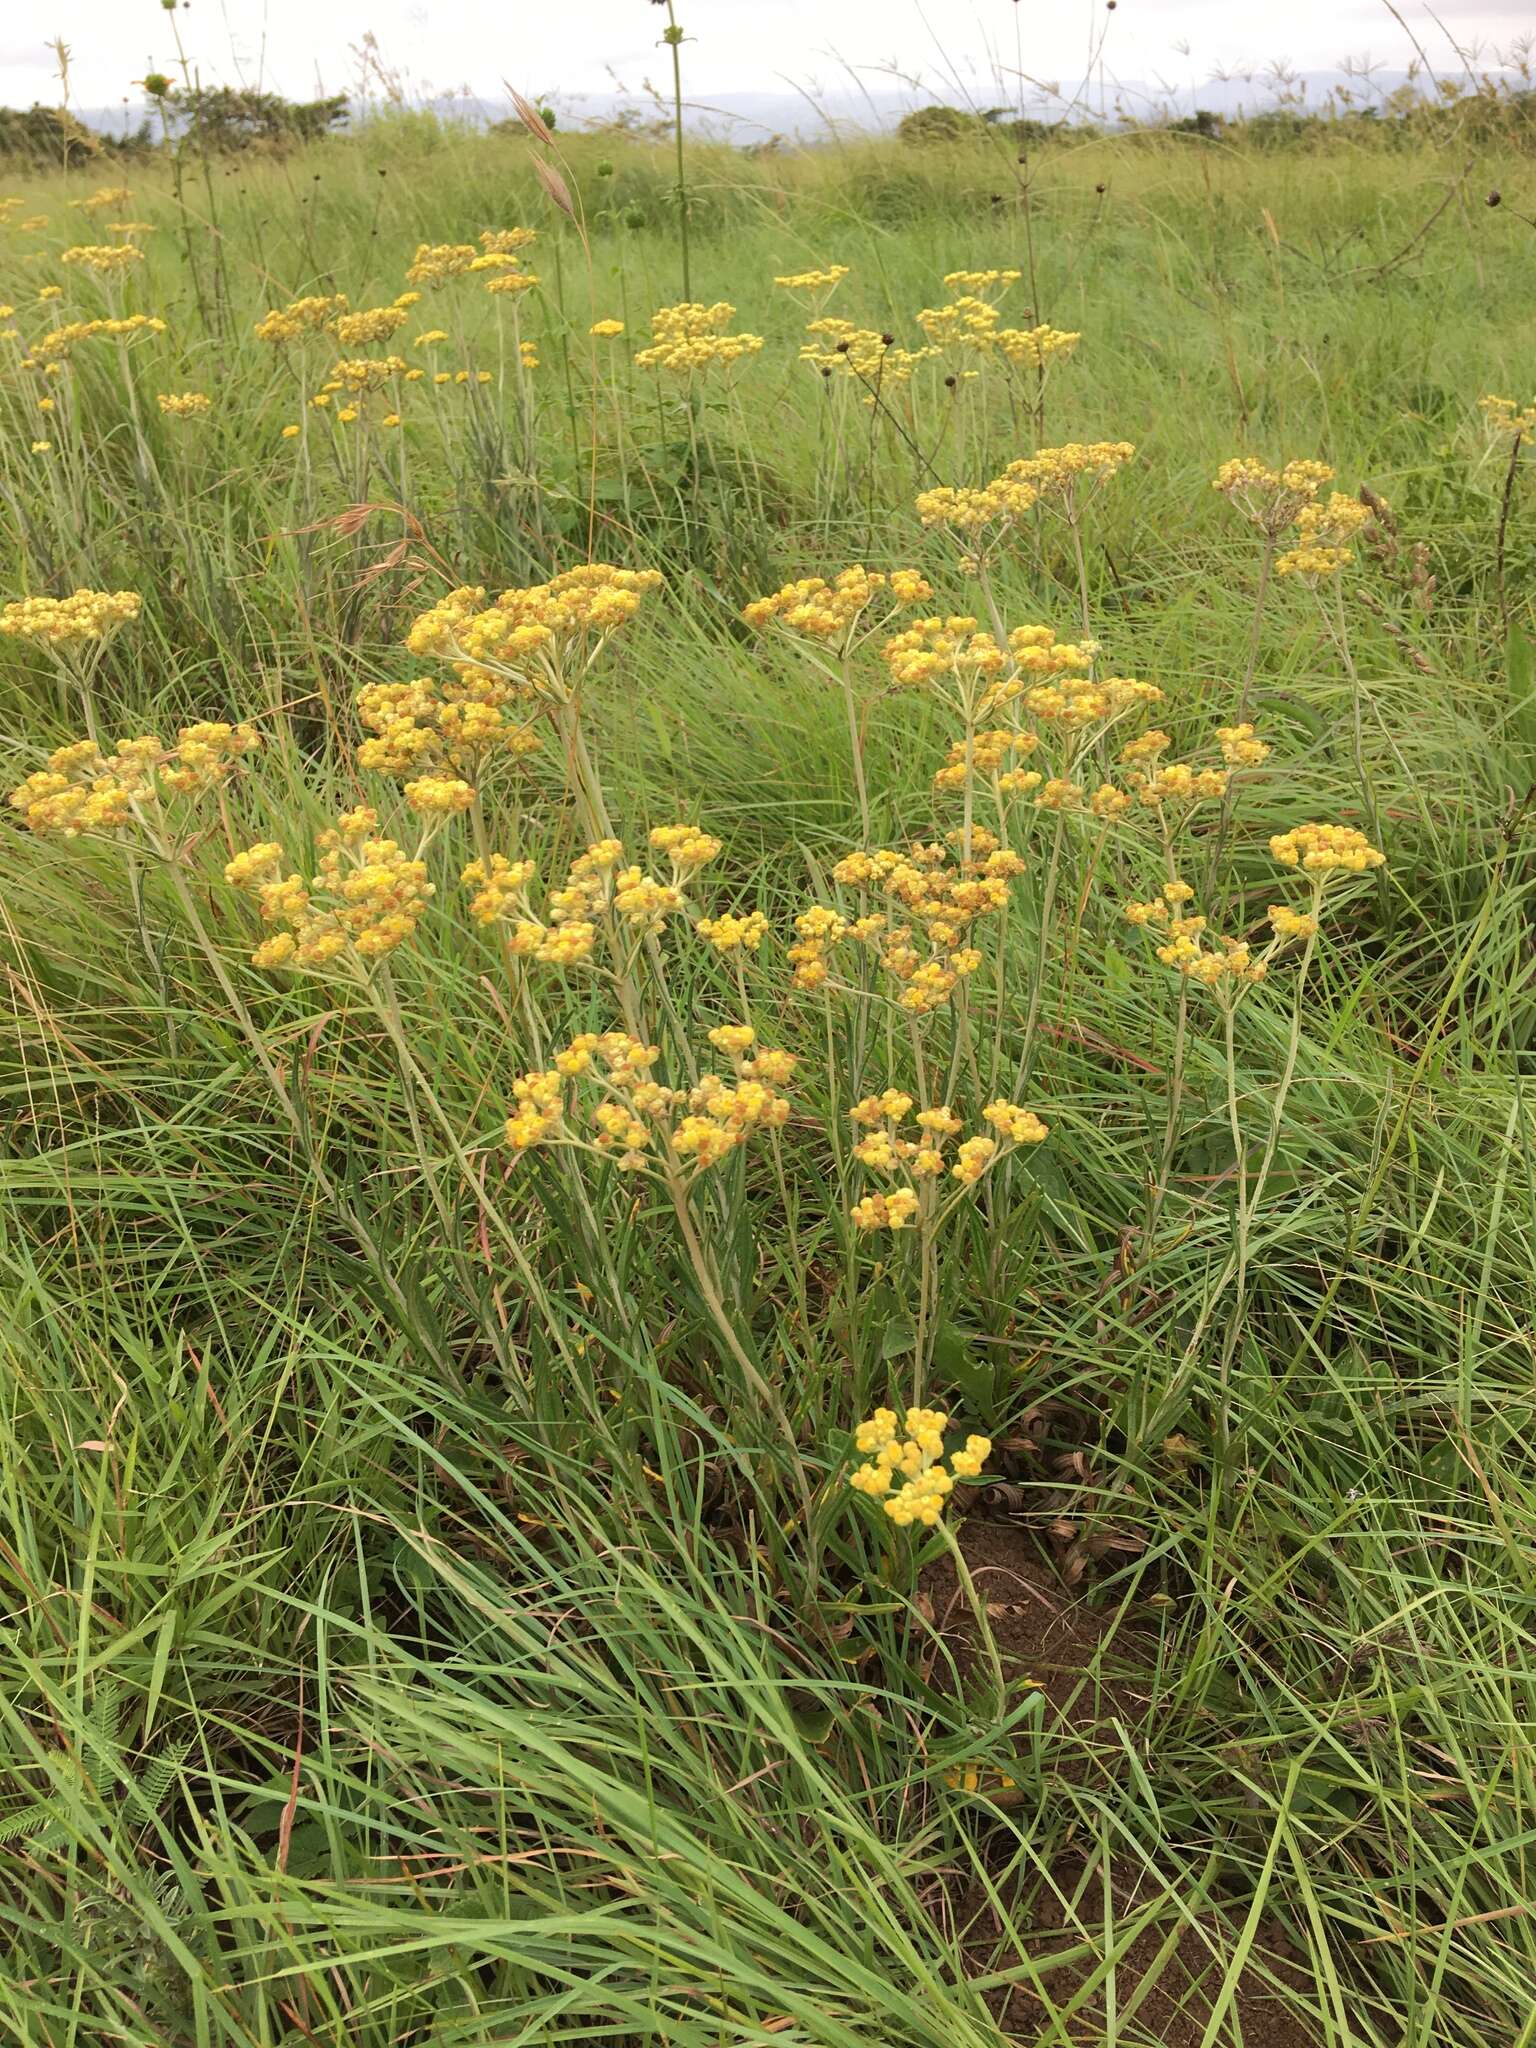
(1324, 850)
(818, 610)
(689, 337)
(910, 1450)
(87, 615)
(108, 260)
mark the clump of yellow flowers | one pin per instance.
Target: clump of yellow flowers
(83, 791)
(1324, 853)
(1323, 533)
(911, 1448)
(832, 611)
(868, 357)
(313, 315)
(103, 198)
(1506, 416)
(372, 323)
(540, 640)
(602, 885)
(366, 899)
(436, 262)
(85, 615)
(108, 259)
(184, 405)
(813, 280)
(886, 1149)
(1270, 498)
(690, 337)
(640, 1123)
(1325, 850)
(444, 734)
(57, 344)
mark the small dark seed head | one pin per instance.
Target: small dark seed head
(950, 383)
(842, 348)
(886, 340)
(1101, 188)
(1494, 199)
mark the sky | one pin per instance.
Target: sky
(593, 48)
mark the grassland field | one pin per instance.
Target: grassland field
(435, 1609)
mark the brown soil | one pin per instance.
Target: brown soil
(1042, 1631)
(1092, 1667)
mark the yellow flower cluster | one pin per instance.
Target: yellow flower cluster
(540, 639)
(1269, 498)
(601, 884)
(100, 200)
(921, 945)
(1323, 534)
(511, 280)
(733, 933)
(912, 1447)
(884, 1149)
(820, 610)
(933, 650)
(1184, 946)
(1178, 784)
(206, 755)
(107, 260)
(970, 508)
(1070, 700)
(1239, 747)
(606, 330)
(371, 323)
(689, 337)
(69, 621)
(988, 757)
(813, 280)
(507, 241)
(1504, 416)
(59, 341)
(1058, 472)
(637, 1119)
(1047, 673)
(966, 323)
(436, 262)
(978, 281)
(862, 353)
(184, 405)
(366, 899)
(452, 728)
(366, 373)
(299, 317)
(501, 897)
(1326, 850)
(84, 790)
(1035, 347)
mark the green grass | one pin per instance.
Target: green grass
(398, 1654)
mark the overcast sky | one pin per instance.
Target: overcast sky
(593, 46)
